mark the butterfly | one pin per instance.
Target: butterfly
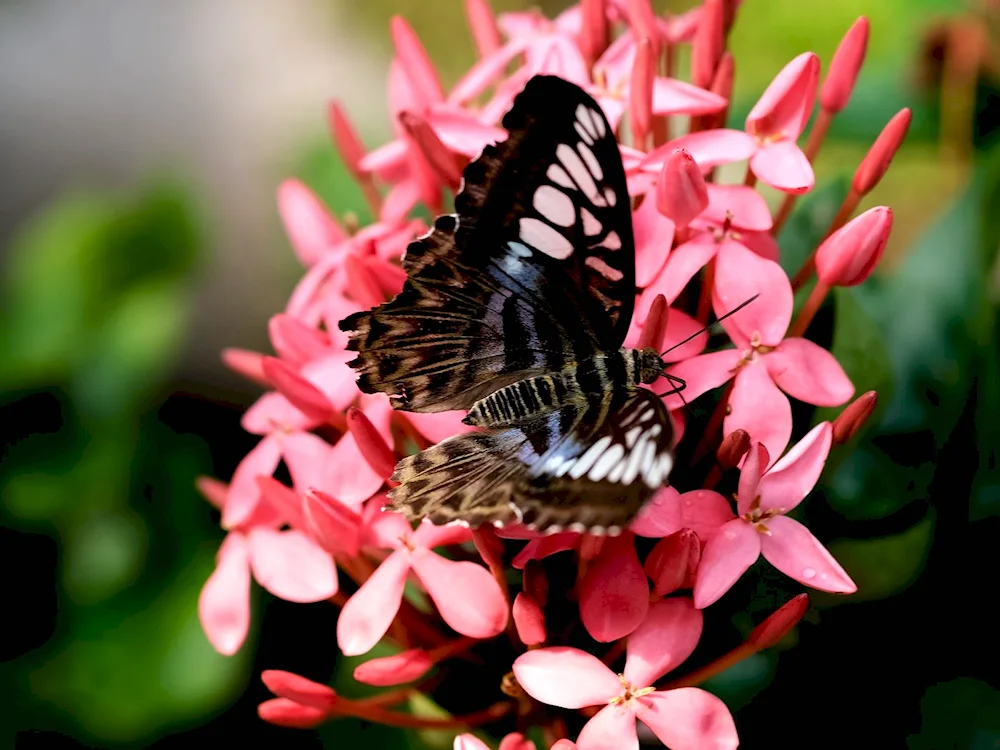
(515, 308)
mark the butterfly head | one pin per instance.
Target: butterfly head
(651, 366)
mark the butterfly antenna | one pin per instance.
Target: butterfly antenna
(679, 385)
(720, 319)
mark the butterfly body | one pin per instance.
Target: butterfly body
(516, 308)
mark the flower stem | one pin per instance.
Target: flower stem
(379, 715)
(808, 311)
(714, 425)
(710, 670)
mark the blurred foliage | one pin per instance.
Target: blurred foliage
(96, 299)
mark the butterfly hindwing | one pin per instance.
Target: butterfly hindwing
(536, 269)
(587, 467)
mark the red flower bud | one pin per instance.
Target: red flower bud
(655, 327)
(853, 417)
(734, 446)
(535, 583)
(641, 93)
(779, 623)
(331, 523)
(371, 444)
(593, 29)
(299, 689)
(394, 670)
(438, 156)
(848, 256)
(483, 25)
(672, 563)
(681, 192)
(876, 162)
(286, 713)
(529, 620)
(709, 39)
(303, 395)
(844, 67)
(346, 140)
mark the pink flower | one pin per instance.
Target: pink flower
(764, 363)
(289, 564)
(515, 741)
(614, 593)
(772, 129)
(466, 595)
(683, 719)
(762, 527)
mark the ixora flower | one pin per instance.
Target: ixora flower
(563, 624)
(683, 718)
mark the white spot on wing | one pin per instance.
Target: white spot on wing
(584, 135)
(583, 117)
(577, 170)
(610, 197)
(598, 264)
(631, 436)
(584, 462)
(598, 122)
(591, 161)
(558, 175)
(554, 205)
(612, 457)
(540, 235)
(519, 249)
(612, 241)
(591, 226)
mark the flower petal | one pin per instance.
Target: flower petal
(681, 327)
(654, 234)
(273, 412)
(666, 638)
(292, 566)
(611, 728)
(566, 677)
(660, 516)
(538, 549)
(224, 602)
(741, 205)
(701, 374)
(684, 263)
(689, 719)
(709, 148)
(739, 275)
(428, 535)
(793, 550)
(440, 425)
(702, 511)
(516, 741)
(397, 669)
(783, 166)
(334, 379)
(784, 107)
(465, 593)
(671, 97)
(614, 593)
(725, 558)
(367, 615)
(757, 406)
(529, 619)
(808, 372)
(244, 493)
(462, 132)
(796, 473)
(306, 455)
(469, 742)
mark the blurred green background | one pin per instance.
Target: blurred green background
(143, 142)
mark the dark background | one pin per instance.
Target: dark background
(143, 144)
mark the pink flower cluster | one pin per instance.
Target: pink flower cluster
(702, 247)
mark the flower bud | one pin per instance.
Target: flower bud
(709, 39)
(483, 25)
(299, 689)
(335, 526)
(212, 490)
(672, 563)
(294, 341)
(848, 256)
(734, 446)
(364, 287)
(246, 363)
(876, 162)
(844, 67)
(396, 669)
(655, 327)
(853, 417)
(535, 583)
(779, 623)
(371, 444)
(641, 93)
(415, 61)
(289, 714)
(593, 29)
(529, 620)
(346, 140)
(302, 394)
(642, 19)
(681, 192)
(438, 156)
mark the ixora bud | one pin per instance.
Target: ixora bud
(876, 162)
(854, 417)
(681, 192)
(844, 67)
(848, 256)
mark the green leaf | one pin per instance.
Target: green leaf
(963, 713)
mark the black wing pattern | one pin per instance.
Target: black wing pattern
(571, 470)
(534, 271)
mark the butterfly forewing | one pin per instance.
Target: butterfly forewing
(535, 271)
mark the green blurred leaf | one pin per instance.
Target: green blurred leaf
(963, 713)
(883, 566)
